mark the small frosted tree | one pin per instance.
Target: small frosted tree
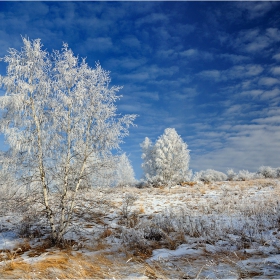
(125, 174)
(244, 175)
(167, 162)
(209, 175)
(59, 119)
(148, 164)
(231, 176)
(267, 172)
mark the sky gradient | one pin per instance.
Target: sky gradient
(208, 69)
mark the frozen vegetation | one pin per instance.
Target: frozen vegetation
(167, 161)
(71, 208)
(227, 229)
(59, 119)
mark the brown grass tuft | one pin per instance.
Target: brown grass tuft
(107, 232)
(155, 271)
(61, 266)
(183, 184)
(141, 209)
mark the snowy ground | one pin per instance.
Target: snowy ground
(220, 230)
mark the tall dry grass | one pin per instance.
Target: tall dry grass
(61, 265)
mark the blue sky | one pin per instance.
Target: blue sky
(209, 69)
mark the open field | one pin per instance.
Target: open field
(218, 230)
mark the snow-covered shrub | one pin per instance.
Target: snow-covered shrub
(135, 239)
(128, 201)
(257, 176)
(209, 175)
(267, 172)
(167, 162)
(277, 172)
(244, 175)
(124, 173)
(148, 164)
(141, 184)
(231, 175)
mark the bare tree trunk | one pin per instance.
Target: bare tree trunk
(61, 230)
(42, 172)
(66, 222)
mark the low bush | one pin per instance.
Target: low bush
(209, 176)
(267, 172)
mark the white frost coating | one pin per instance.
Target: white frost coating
(168, 160)
(182, 250)
(125, 174)
(148, 164)
(59, 119)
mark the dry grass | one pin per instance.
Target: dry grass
(141, 209)
(11, 255)
(155, 271)
(70, 264)
(191, 184)
(88, 226)
(138, 254)
(203, 190)
(106, 233)
(99, 246)
(63, 266)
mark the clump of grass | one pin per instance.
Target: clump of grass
(141, 209)
(62, 266)
(190, 184)
(106, 233)
(155, 271)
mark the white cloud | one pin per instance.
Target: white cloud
(256, 40)
(197, 54)
(269, 94)
(189, 53)
(275, 70)
(255, 9)
(132, 109)
(183, 29)
(131, 41)
(250, 147)
(127, 63)
(235, 72)
(268, 81)
(241, 71)
(253, 92)
(98, 44)
(233, 110)
(210, 74)
(152, 18)
(273, 33)
(186, 93)
(259, 44)
(268, 121)
(262, 94)
(277, 56)
(168, 53)
(150, 73)
(254, 70)
(235, 58)
(147, 94)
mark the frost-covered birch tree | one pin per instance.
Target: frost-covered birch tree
(167, 161)
(59, 119)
